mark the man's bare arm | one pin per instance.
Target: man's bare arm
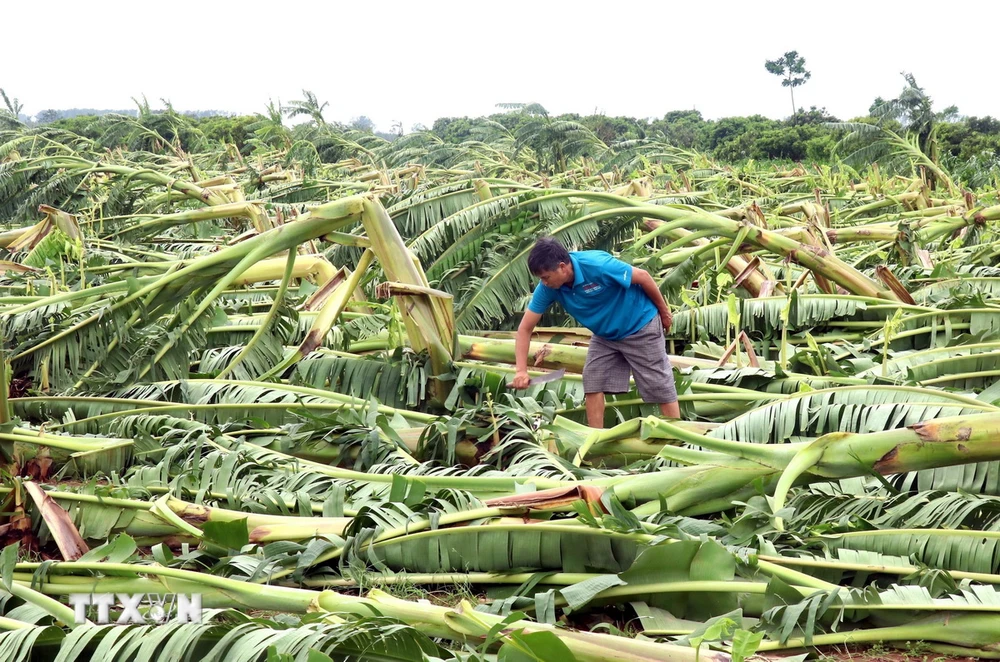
(642, 278)
(521, 345)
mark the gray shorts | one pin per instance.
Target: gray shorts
(644, 354)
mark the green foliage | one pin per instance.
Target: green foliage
(224, 129)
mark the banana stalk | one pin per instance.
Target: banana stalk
(427, 313)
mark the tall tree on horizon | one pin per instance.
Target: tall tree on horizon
(792, 67)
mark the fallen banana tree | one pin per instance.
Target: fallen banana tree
(259, 380)
(461, 624)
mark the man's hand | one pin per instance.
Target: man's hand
(522, 343)
(667, 319)
(642, 278)
(521, 380)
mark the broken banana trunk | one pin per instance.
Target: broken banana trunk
(722, 471)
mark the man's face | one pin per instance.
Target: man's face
(557, 277)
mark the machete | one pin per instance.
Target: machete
(541, 379)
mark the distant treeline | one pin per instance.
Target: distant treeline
(51, 115)
(808, 136)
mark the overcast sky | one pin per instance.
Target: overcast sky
(415, 61)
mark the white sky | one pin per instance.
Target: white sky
(415, 61)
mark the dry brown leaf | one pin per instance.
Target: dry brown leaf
(67, 538)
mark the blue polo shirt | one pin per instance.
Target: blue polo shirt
(602, 297)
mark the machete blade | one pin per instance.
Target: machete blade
(542, 379)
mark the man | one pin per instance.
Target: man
(622, 307)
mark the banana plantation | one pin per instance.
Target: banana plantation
(278, 379)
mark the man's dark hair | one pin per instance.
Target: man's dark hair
(546, 255)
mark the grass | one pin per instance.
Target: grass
(910, 651)
(447, 595)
